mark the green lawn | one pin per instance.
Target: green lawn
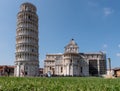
(59, 84)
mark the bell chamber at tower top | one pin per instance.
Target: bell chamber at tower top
(28, 7)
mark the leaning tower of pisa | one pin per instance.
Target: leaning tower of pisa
(27, 55)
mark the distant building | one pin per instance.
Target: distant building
(73, 63)
(6, 70)
(116, 71)
(27, 56)
(40, 71)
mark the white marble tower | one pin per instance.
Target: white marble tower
(27, 54)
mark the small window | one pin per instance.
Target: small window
(26, 8)
(32, 50)
(20, 56)
(61, 69)
(26, 73)
(50, 68)
(70, 61)
(92, 56)
(81, 69)
(29, 17)
(26, 67)
(97, 56)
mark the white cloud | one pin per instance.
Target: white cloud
(93, 4)
(105, 46)
(119, 45)
(107, 11)
(104, 52)
(118, 54)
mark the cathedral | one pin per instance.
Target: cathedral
(74, 63)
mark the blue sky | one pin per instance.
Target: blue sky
(94, 24)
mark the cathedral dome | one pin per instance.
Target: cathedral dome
(72, 47)
(72, 43)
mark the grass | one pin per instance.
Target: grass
(59, 84)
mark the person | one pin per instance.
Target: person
(49, 74)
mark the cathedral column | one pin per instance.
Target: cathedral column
(98, 65)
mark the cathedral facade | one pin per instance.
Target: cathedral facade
(73, 63)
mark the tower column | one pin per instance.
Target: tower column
(98, 65)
